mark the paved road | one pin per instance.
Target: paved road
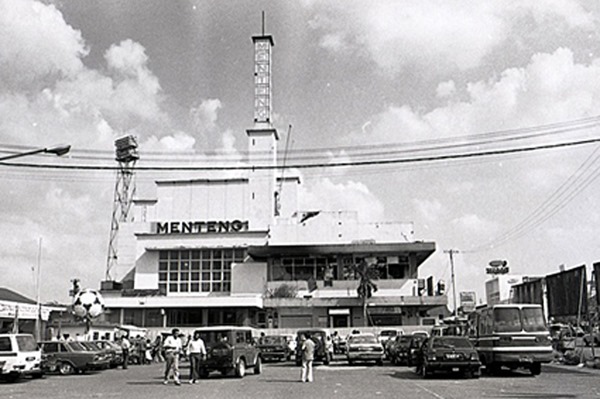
(335, 381)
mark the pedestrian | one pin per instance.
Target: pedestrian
(196, 351)
(307, 350)
(157, 350)
(125, 346)
(172, 347)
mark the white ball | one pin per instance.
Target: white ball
(88, 303)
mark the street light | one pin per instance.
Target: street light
(57, 150)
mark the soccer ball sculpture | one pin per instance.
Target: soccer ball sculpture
(88, 304)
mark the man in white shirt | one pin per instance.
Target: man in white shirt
(196, 351)
(172, 347)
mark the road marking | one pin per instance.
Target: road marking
(344, 368)
(429, 391)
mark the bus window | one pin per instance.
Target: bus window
(507, 320)
(533, 320)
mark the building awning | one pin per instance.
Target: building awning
(422, 250)
(232, 301)
(335, 312)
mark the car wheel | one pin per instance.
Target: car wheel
(258, 366)
(351, 362)
(536, 369)
(65, 368)
(240, 369)
(11, 377)
(380, 362)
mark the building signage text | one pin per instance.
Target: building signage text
(497, 267)
(198, 227)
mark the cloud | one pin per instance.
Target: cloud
(205, 115)
(432, 33)
(326, 195)
(551, 88)
(36, 45)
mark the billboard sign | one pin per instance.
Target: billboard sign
(468, 300)
(497, 267)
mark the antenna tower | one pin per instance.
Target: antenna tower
(126, 155)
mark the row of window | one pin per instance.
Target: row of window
(206, 270)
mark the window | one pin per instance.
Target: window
(26, 343)
(5, 345)
(507, 320)
(239, 337)
(207, 270)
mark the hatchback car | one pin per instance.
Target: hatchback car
(398, 349)
(364, 348)
(274, 347)
(230, 349)
(448, 354)
(19, 356)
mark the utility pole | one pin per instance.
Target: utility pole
(451, 253)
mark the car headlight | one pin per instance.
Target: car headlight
(474, 356)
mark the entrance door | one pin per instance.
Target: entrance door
(340, 321)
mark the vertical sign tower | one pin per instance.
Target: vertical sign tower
(262, 138)
(126, 156)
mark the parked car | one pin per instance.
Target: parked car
(274, 347)
(114, 350)
(448, 354)
(105, 355)
(398, 349)
(364, 347)
(68, 357)
(19, 356)
(319, 336)
(229, 350)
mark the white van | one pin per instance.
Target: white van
(19, 356)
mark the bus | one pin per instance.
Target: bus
(512, 336)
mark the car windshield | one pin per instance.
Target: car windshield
(362, 339)
(451, 342)
(507, 320)
(273, 340)
(26, 343)
(403, 339)
(533, 320)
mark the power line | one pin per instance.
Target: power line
(431, 158)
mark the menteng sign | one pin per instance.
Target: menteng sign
(200, 227)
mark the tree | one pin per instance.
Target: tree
(366, 272)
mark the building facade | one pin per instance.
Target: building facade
(238, 251)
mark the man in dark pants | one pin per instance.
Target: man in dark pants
(125, 346)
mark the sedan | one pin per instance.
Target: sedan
(448, 354)
(364, 347)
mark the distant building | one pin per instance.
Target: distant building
(498, 289)
(19, 313)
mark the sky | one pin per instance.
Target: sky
(356, 80)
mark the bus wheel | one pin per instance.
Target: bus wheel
(536, 368)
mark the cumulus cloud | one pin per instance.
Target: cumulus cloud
(36, 45)
(551, 88)
(326, 195)
(432, 33)
(205, 115)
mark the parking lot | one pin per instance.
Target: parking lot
(281, 380)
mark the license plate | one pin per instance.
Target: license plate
(452, 356)
(455, 369)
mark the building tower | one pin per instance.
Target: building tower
(126, 155)
(262, 138)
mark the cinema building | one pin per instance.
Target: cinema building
(238, 251)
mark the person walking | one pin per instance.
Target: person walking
(307, 350)
(125, 346)
(172, 347)
(196, 351)
(157, 350)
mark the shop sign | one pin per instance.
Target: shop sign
(200, 227)
(497, 267)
